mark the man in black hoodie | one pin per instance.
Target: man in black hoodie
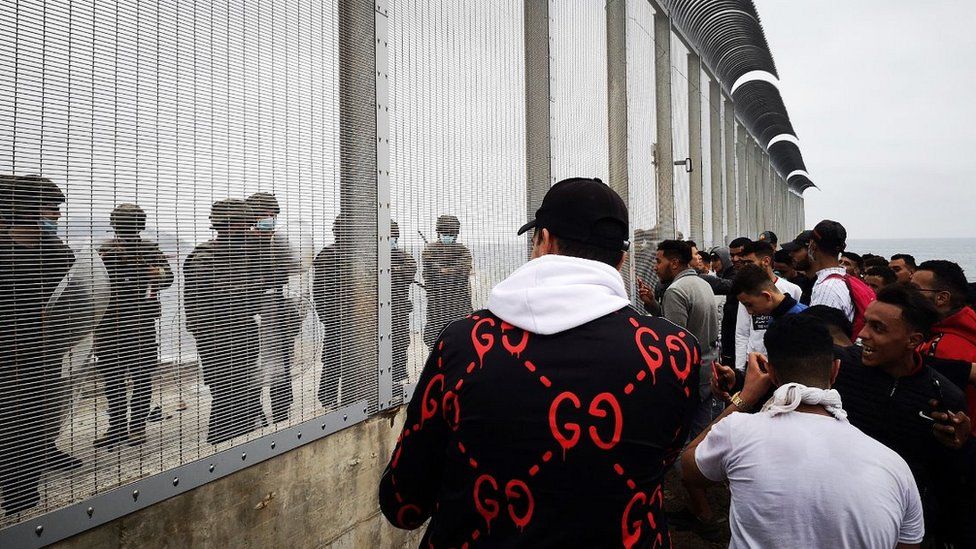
(551, 418)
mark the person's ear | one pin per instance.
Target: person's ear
(834, 370)
(623, 259)
(915, 339)
(772, 374)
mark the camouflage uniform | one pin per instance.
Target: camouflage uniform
(222, 296)
(447, 276)
(125, 340)
(404, 270)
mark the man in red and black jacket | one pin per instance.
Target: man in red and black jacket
(551, 417)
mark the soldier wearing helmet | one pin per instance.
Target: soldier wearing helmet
(125, 340)
(33, 261)
(280, 317)
(404, 270)
(222, 304)
(447, 275)
(332, 284)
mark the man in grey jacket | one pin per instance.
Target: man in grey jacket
(689, 301)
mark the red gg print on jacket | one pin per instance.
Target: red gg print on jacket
(521, 439)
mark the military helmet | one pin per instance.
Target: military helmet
(394, 230)
(229, 211)
(263, 202)
(127, 218)
(24, 196)
(448, 225)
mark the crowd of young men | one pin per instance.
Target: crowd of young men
(822, 377)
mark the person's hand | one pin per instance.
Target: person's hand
(645, 292)
(758, 381)
(723, 378)
(951, 429)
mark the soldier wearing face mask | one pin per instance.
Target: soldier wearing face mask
(125, 340)
(447, 276)
(404, 269)
(222, 301)
(33, 261)
(280, 320)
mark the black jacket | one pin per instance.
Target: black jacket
(887, 409)
(519, 439)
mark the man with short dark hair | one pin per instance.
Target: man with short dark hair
(887, 390)
(879, 277)
(737, 248)
(783, 265)
(829, 239)
(894, 397)
(904, 266)
(852, 262)
(954, 335)
(530, 422)
(800, 457)
(750, 326)
(806, 275)
(840, 328)
(688, 300)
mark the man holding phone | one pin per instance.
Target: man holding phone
(895, 398)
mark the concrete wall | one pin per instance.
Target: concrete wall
(320, 495)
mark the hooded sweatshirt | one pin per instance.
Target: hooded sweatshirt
(954, 338)
(548, 420)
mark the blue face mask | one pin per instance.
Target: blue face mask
(266, 224)
(448, 239)
(393, 242)
(48, 226)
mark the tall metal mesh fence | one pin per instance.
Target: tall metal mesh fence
(192, 202)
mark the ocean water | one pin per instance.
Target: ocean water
(959, 250)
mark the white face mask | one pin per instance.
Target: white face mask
(393, 242)
(448, 239)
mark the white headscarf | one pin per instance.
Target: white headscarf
(787, 397)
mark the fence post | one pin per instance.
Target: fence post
(359, 176)
(538, 151)
(715, 150)
(696, 193)
(732, 223)
(663, 150)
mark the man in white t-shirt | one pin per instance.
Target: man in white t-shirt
(799, 473)
(749, 328)
(829, 239)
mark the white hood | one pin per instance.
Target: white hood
(555, 293)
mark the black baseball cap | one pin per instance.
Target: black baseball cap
(830, 234)
(585, 210)
(768, 236)
(801, 241)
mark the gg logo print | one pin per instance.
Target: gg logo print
(603, 413)
(518, 498)
(640, 507)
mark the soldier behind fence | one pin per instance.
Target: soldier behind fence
(125, 340)
(280, 320)
(447, 276)
(332, 294)
(222, 299)
(404, 269)
(33, 261)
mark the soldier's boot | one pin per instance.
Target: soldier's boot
(137, 434)
(115, 436)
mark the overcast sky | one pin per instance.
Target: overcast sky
(881, 94)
